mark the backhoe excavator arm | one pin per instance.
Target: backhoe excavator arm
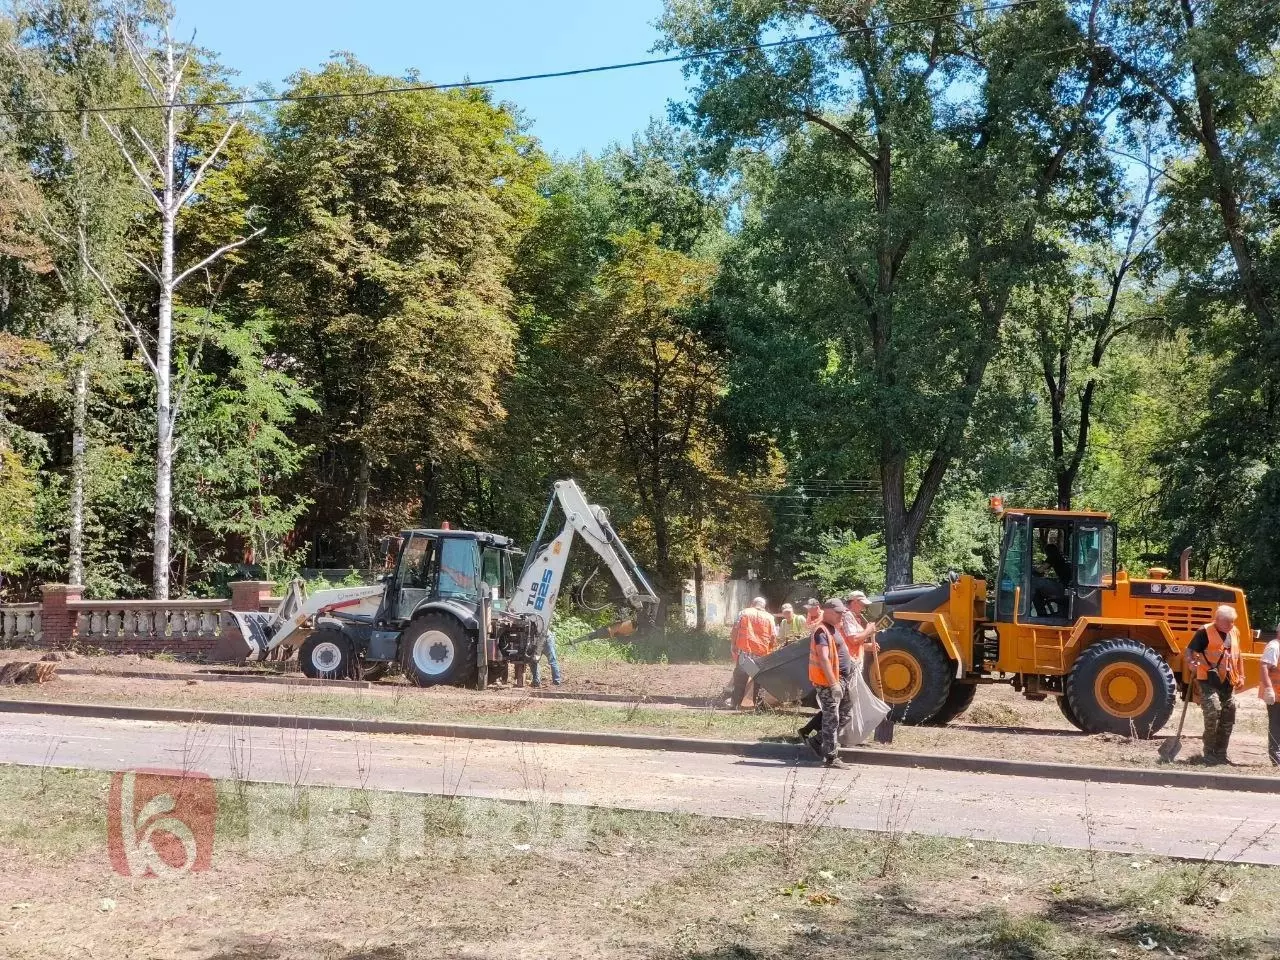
(544, 565)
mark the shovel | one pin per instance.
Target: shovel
(884, 729)
(1172, 745)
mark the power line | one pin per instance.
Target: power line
(554, 75)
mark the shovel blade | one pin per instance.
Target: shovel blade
(1170, 749)
(884, 731)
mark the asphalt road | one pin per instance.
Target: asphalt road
(1132, 819)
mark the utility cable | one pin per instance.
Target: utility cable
(553, 75)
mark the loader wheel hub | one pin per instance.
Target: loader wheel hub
(902, 676)
(433, 653)
(1123, 690)
(327, 657)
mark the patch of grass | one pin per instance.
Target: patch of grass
(618, 883)
(446, 708)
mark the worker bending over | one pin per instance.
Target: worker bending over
(824, 674)
(1269, 691)
(753, 634)
(1214, 653)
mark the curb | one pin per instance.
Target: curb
(213, 676)
(1134, 776)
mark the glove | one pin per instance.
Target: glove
(1269, 696)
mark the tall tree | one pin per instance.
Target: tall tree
(922, 153)
(393, 220)
(169, 178)
(64, 58)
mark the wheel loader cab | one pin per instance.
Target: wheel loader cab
(1054, 566)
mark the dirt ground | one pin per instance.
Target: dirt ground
(1000, 724)
(316, 874)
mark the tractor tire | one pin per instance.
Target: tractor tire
(1065, 706)
(958, 701)
(436, 651)
(327, 655)
(374, 671)
(1121, 686)
(915, 674)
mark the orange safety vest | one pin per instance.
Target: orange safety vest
(1222, 654)
(816, 652)
(753, 632)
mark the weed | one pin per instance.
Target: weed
(1019, 938)
(1213, 871)
(893, 816)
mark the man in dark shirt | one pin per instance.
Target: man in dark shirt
(1214, 653)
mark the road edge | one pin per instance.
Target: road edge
(1134, 776)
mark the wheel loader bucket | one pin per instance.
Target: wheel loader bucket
(783, 674)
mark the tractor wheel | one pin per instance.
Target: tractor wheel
(436, 651)
(915, 674)
(1123, 687)
(374, 671)
(327, 655)
(957, 702)
(1065, 706)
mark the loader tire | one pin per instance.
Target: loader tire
(1065, 706)
(435, 650)
(958, 701)
(915, 674)
(1121, 686)
(327, 655)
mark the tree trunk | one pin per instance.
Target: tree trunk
(699, 573)
(364, 555)
(164, 361)
(430, 476)
(79, 409)
(899, 543)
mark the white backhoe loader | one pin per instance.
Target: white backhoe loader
(451, 608)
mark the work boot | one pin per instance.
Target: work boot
(835, 763)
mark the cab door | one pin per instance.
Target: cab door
(1012, 595)
(414, 578)
(1093, 566)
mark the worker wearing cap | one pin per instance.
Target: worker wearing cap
(812, 615)
(791, 627)
(859, 635)
(1214, 654)
(824, 674)
(753, 634)
(1269, 691)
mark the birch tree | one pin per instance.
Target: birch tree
(160, 166)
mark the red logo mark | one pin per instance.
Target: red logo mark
(160, 822)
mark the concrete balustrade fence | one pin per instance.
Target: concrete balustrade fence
(184, 628)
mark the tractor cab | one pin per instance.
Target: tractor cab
(1054, 565)
(445, 566)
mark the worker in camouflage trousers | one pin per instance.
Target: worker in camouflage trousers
(1214, 654)
(824, 674)
(1269, 691)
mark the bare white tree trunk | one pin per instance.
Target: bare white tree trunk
(157, 170)
(79, 410)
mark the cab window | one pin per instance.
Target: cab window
(459, 568)
(1094, 554)
(415, 563)
(1013, 571)
(491, 567)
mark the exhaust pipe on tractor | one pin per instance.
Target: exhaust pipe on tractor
(1184, 565)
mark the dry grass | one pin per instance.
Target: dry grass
(407, 876)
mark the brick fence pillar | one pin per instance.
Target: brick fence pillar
(57, 619)
(249, 596)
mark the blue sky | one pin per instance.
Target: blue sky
(266, 40)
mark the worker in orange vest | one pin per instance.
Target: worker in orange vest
(1214, 654)
(753, 634)
(824, 674)
(1269, 691)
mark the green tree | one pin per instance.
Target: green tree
(391, 226)
(904, 173)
